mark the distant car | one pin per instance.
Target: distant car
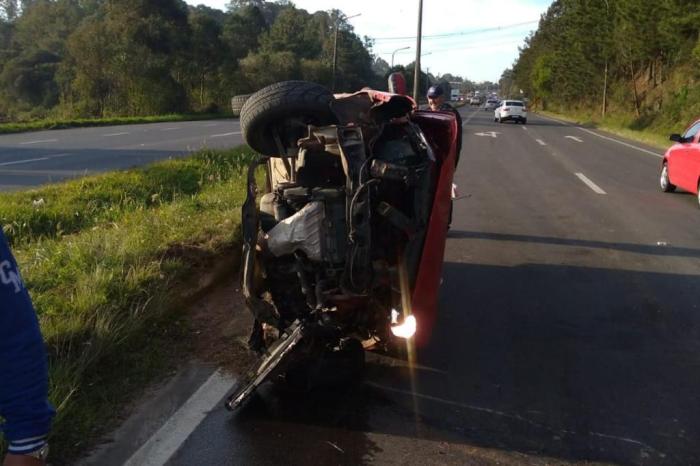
(490, 104)
(681, 164)
(475, 101)
(514, 110)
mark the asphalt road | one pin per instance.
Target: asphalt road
(31, 159)
(569, 327)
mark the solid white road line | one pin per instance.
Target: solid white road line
(224, 134)
(541, 142)
(631, 146)
(168, 439)
(37, 142)
(590, 184)
(114, 134)
(19, 162)
(574, 138)
(607, 138)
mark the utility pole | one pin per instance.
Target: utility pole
(605, 77)
(335, 45)
(416, 71)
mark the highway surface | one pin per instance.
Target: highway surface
(569, 330)
(31, 159)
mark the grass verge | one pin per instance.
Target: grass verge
(21, 127)
(107, 294)
(616, 125)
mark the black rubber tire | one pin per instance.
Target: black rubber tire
(667, 187)
(524, 121)
(288, 106)
(237, 102)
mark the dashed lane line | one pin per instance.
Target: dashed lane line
(38, 159)
(607, 138)
(224, 134)
(114, 134)
(541, 142)
(37, 142)
(590, 183)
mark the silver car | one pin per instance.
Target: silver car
(490, 104)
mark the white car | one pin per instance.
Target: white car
(511, 110)
(490, 104)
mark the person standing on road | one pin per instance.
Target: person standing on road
(437, 103)
(23, 370)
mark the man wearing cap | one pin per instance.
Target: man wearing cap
(437, 103)
(23, 370)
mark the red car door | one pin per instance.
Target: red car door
(680, 168)
(692, 163)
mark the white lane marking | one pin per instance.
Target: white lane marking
(470, 117)
(210, 124)
(17, 162)
(524, 128)
(574, 138)
(631, 146)
(167, 440)
(590, 184)
(168, 129)
(491, 134)
(37, 142)
(541, 142)
(224, 134)
(48, 157)
(607, 138)
(114, 134)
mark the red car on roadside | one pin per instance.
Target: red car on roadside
(681, 165)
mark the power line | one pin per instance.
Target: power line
(458, 33)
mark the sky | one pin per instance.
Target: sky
(480, 38)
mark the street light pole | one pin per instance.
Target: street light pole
(394, 52)
(416, 71)
(335, 46)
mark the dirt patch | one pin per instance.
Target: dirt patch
(219, 327)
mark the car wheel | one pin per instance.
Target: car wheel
(524, 121)
(500, 120)
(288, 107)
(665, 181)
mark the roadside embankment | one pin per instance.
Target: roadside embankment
(110, 261)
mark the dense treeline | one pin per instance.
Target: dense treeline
(99, 58)
(641, 57)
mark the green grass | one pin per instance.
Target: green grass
(21, 127)
(107, 292)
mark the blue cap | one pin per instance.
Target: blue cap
(435, 91)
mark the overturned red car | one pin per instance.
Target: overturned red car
(343, 249)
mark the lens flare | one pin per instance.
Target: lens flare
(406, 329)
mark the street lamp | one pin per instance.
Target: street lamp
(397, 50)
(335, 45)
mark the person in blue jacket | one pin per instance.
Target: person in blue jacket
(24, 401)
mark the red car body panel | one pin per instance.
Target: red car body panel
(683, 161)
(441, 131)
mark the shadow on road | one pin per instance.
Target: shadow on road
(577, 363)
(656, 250)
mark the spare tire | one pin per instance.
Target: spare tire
(286, 108)
(237, 102)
